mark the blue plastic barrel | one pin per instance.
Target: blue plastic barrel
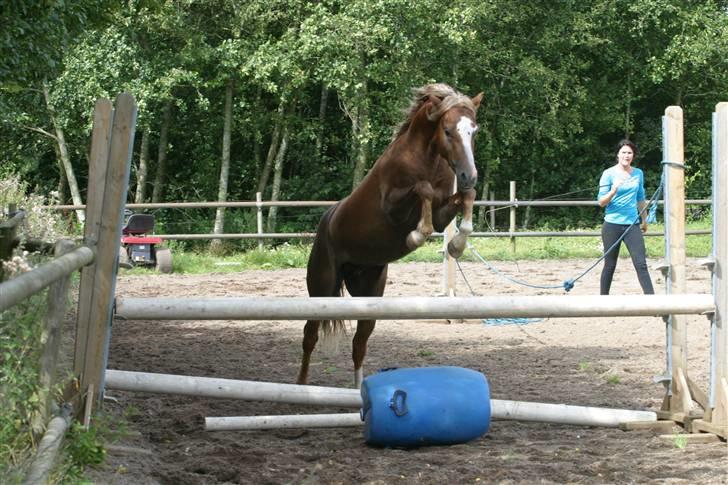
(408, 408)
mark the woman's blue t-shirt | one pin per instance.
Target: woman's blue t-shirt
(623, 207)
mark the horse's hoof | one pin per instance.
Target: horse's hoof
(454, 250)
(415, 239)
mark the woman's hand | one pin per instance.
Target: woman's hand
(643, 227)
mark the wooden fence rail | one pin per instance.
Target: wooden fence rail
(27, 284)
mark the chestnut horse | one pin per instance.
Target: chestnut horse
(404, 198)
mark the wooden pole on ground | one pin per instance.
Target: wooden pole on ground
(110, 162)
(716, 413)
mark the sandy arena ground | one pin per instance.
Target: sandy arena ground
(607, 362)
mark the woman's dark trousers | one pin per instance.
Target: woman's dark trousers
(635, 243)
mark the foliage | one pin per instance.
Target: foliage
(563, 82)
(19, 377)
(38, 223)
(84, 445)
(37, 33)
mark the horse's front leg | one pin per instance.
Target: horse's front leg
(424, 229)
(456, 246)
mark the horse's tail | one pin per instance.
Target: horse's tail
(322, 260)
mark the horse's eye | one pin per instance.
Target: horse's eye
(447, 133)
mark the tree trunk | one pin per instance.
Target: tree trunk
(62, 182)
(360, 127)
(143, 170)
(277, 176)
(322, 120)
(272, 150)
(65, 157)
(256, 135)
(222, 191)
(158, 190)
(527, 217)
(628, 108)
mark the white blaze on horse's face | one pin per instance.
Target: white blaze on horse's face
(467, 173)
(459, 151)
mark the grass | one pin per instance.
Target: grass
(679, 441)
(295, 255)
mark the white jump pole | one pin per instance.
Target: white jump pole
(411, 308)
(231, 389)
(350, 398)
(499, 410)
(250, 423)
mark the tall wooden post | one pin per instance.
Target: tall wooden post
(110, 163)
(678, 402)
(716, 413)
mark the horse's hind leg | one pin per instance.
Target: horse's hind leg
(456, 246)
(310, 337)
(363, 281)
(322, 280)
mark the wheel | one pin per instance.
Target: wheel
(163, 258)
(124, 261)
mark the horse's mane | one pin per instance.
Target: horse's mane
(450, 98)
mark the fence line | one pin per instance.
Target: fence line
(328, 203)
(260, 235)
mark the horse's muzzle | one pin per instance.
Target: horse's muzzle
(467, 181)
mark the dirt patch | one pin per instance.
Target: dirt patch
(606, 362)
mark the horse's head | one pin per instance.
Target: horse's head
(455, 135)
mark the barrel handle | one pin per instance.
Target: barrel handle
(399, 403)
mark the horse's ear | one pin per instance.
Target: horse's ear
(477, 100)
(434, 103)
(434, 100)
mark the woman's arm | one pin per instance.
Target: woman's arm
(604, 201)
(642, 208)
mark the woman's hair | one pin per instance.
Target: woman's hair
(628, 143)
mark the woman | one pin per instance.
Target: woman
(622, 192)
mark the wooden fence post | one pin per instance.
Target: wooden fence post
(512, 226)
(8, 230)
(51, 338)
(110, 163)
(259, 217)
(678, 402)
(716, 413)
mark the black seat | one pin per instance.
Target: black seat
(139, 224)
